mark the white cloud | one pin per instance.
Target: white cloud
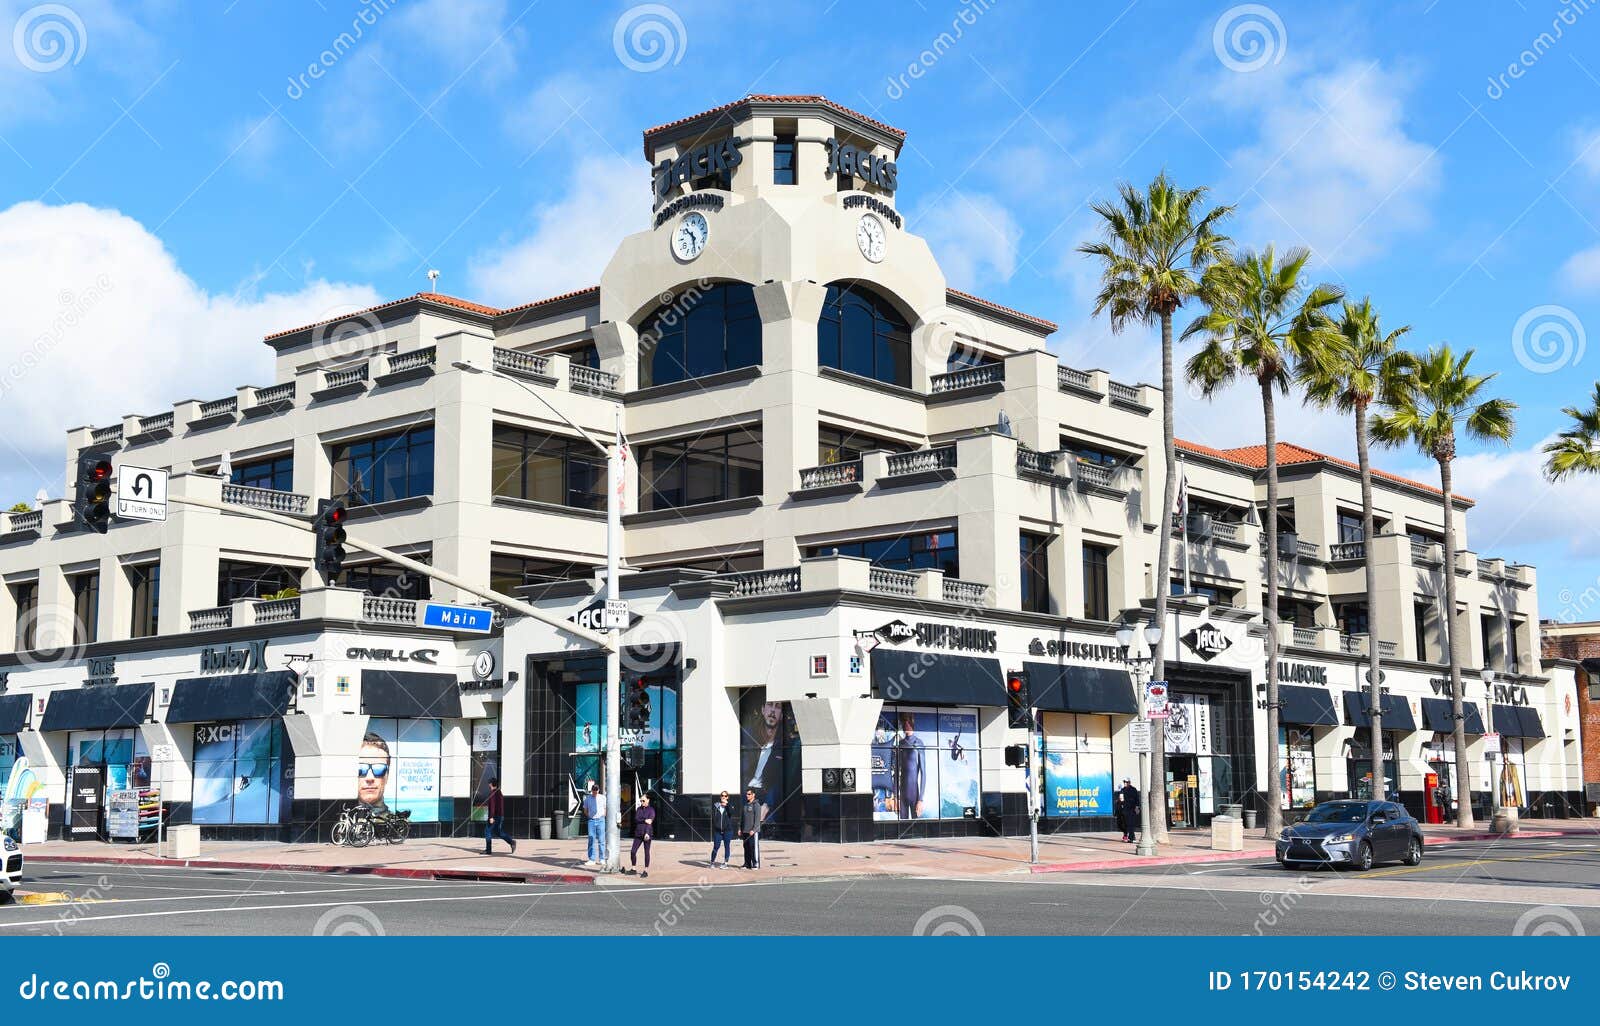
(1333, 167)
(1518, 509)
(973, 237)
(571, 239)
(1586, 150)
(100, 309)
(1581, 272)
(59, 53)
(471, 36)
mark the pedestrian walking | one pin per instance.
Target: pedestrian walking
(644, 830)
(495, 825)
(594, 809)
(724, 824)
(1128, 810)
(750, 829)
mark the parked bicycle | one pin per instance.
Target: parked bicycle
(355, 828)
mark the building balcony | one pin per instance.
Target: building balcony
(1347, 552)
(988, 375)
(268, 499)
(316, 604)
(851, 573)
(1360, 644)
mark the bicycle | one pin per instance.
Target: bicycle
(355, 827)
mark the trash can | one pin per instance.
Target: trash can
(544, 828)
(559, 822)
(1233, 811)
(1249, 819)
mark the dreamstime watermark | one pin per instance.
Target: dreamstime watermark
(948, 921)
(677, 904)
(49, 37)
(158, 986)
(71, 308)
(1548, 921)
(1276, 905)
(1540, 45)
(78, 908)
(1547, 339)
(1249, 37)
(348, 921)
(1576, 606)
(964, 18)
(343, 43)
(649, 37)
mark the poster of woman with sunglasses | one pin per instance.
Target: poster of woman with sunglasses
(372, 773)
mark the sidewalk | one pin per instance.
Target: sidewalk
(685, 862)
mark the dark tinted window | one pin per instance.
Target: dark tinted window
(384, 468)
(548, 468)
(861, 333)
(701, 332)
(276, 472)
(1096, 582)
(783, 160)
(934, 550)
(706, 468)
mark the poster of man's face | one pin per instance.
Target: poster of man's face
(372, 771)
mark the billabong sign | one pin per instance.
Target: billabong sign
(250, 658)
(1207, 641)
(1302, 673)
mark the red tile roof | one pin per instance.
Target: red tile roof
(772, 98)
(1049, 326)
(1254, 457)
(440, 299)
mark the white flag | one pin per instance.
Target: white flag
(1182, 505)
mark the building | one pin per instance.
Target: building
(1576, 646)
(857, 499)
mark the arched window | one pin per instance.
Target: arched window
(859, 332)
(702, 331)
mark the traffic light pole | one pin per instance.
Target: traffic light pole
(1033, 789)
(614, 486)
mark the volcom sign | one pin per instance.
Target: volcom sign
(1207, 641)
(250, 658)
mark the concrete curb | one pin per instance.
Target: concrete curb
(1158, 860)
(501, 875)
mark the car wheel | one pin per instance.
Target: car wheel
(1414, 853)
(1364, 857)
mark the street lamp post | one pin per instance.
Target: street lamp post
(1138, 648)
(613, 706)
(1496, 785)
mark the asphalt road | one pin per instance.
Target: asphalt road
(1468, 889)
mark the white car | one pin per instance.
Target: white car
(11, 867)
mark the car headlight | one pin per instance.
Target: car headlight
(11, 845)
(1339, 838)
(1285, 834)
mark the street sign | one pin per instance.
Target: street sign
(1139, 736)
(1155, 700)
(141, 493)
(593, 617)
(1491, 744)
(616, 615)
(467, 619)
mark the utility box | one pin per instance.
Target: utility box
(1227, 834)
(183, 842)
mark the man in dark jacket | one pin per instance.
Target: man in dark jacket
(909, 771)
(750, 829)
(724, 824)
(495, 825)
(1128, 810)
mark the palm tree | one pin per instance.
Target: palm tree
(1262, 324)
(1440, 400)
(1155, 246)
(1362, 365)
(1577, 449)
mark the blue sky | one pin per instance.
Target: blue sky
(174, 183)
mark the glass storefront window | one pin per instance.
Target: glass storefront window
(653, 763)
(239, 772)
(9, 751)
(925, 763)
(769, 754)
(1078, 776)
(1359, 761)
(1296, 750)
(120, 753)
(411, 780)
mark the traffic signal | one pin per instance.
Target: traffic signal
(636, 704)
(92, 504)
(329, 529)
(1018, 702)
(1016, 755)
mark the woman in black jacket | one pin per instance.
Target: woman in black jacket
(644, 830)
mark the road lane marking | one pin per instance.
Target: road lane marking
(1427, 868)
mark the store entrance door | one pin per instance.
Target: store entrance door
(1182, 792)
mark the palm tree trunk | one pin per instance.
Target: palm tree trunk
(1269, 416)
(1374, 653)
(1463, 768)
(1156, 811)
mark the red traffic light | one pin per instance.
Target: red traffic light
(96, 471)
(1014, 684)
(335, 514)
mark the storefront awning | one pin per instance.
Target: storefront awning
(13, 713)
(1438, 715)
(1087, 689)
(937, 678)
(1517, 721)
(1396, 711)
(97, 708)
(425, 696)
(1306, 706)
(240, 696)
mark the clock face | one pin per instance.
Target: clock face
(689, 238)
(870, 237)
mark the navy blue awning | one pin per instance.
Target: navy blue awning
(410, 695)
(1396, 711)
(1517, 721)
(1088, 689)
(1306, 706)
(239, 696)
(1438, 715)
(97, 708)
(13, 713)
(938, 678)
